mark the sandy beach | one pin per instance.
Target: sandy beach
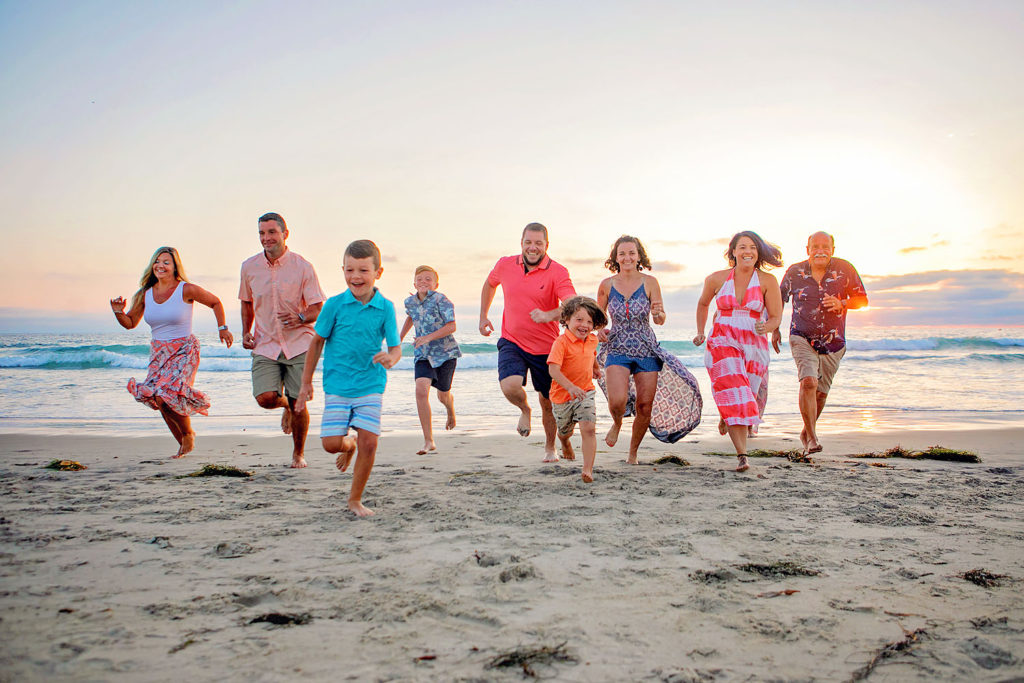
(127, 571)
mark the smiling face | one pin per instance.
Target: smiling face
(745, 252)
(820, 249)
(163, 267)
(360, 274)
(535, 247)
(627, 256)
(424, 282)
(581, 324)
(272, 237)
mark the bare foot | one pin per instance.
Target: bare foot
(814, 447)
(298, 461)
(550, 456)
(427, 448)
(348, 449)
(450, 424)
(631, 460)
(188, 442)
(567, 452)
(742, 465)
(286, 421)
(524, 424)
(803, 439)
(722, 427)
(613, 435)
(358, 509)
(588, 478)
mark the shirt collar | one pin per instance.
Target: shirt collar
(347, 297)
(543, 265)
(279, 262)
(573, 338)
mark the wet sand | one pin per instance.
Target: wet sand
(125, 571)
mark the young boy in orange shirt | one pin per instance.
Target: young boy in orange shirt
(572, 363)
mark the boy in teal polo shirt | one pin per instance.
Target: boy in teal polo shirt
(349, 331)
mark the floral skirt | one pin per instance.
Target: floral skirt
(172, 369)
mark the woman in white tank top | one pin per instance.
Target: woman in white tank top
(164, 301)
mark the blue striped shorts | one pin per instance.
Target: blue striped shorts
(342, 413)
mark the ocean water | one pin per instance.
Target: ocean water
(891, 378)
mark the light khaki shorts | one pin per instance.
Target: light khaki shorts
(810, 363)
(574, 410)
(271, 375)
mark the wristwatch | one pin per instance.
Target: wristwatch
(222, 328)
(302, 318)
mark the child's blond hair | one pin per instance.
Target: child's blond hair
(427, 269)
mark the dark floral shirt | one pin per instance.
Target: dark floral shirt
(826, 331)
(430, 315)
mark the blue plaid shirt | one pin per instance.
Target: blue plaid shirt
(430, 315)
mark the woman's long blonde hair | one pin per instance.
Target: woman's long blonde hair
(148, 279)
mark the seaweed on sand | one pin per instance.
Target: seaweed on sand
(281, 619)
(983, 578)
(888, 651)
(65, 466)
(930, 453)
(527, 657)
(793, 455)
(776, 569)
(219, 471)
(673, 459)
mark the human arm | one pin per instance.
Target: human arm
(555, 370)
(439, 333)
(486, 297)
(773, 304)
(406, 326)
(388, 358)
(563, 290)
(130, 319)
(597, 369)
(316, 347)
(711, 286)
(540, 316)
(248, 315)
(603, 292)
(196, 293)
(657, 302)
(309, 314)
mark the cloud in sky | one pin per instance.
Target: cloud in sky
(911, 250)
(668, 267)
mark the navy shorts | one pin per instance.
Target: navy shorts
(635, 365)
(440, 377)
(512, 360)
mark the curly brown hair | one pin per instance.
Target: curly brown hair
(570, 306)
(613, 265)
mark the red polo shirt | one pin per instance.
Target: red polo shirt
(543, 287)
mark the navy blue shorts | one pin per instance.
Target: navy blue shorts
(512, 360)
(440, 377)
(635, 365)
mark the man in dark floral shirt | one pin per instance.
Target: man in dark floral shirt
(823, 288)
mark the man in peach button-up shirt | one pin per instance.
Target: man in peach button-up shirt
(281, 294)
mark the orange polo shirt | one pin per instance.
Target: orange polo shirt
(543, 287)
(575, 357)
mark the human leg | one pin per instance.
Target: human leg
(443, 383)
(565, 423)
(646, 386)
(809, 414)
(299, 430)
(423, 410)
(738, 434)
(588, 431)
(512, 379)
(550, 429)
(616, 380)
(448, 401)
(366, 444)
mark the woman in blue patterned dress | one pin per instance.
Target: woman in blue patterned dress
(436, 350)
(666, 396)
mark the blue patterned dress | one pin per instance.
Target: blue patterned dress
(677, 403)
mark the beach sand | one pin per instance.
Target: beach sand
(125, 571)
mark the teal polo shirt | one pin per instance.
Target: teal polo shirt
(353, 332)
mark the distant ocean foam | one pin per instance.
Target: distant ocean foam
(216, 358)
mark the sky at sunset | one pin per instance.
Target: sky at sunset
(439, 129)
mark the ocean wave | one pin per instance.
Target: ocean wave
(933, 343)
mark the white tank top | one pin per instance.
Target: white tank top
(170, 320)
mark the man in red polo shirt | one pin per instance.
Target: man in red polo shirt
(534, 287)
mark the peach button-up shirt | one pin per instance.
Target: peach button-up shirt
(288, 285)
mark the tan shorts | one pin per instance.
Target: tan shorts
(574, 410)
(270, 375)
(810, 363)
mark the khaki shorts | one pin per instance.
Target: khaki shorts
(810, 363)
(270, 375)
(574, 410)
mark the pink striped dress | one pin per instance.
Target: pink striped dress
(736, 356)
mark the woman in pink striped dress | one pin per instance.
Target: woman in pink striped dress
(749, 307)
